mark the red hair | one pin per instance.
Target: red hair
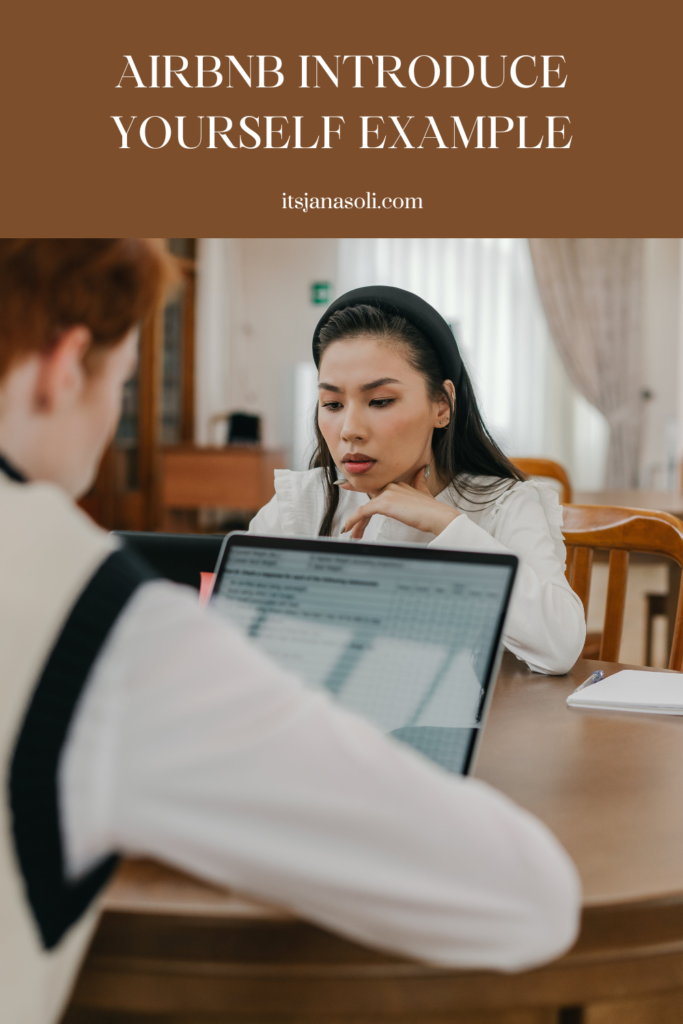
(50, 284)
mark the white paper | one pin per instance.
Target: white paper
(634, 690)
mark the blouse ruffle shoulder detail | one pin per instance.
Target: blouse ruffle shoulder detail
(300, 498)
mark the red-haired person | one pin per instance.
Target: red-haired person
(133, 722)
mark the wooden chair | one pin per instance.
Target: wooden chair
(620, 531)
(548, 468)
(657, 605)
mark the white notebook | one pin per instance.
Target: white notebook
(658, 693)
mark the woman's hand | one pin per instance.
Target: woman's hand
(412, 504)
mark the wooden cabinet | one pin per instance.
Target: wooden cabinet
(158, 409)
(231, 478)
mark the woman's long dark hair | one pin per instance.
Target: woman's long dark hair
(462, 449)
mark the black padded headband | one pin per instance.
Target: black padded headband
(398, 302)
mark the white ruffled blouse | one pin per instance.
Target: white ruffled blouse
(545, 625)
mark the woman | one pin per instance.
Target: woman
(403, 455)
(135, 722)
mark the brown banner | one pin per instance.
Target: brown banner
(451, 162)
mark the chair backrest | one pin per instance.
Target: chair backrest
(548, 468)
(620, 531)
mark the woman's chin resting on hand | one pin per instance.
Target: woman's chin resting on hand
(412, 504)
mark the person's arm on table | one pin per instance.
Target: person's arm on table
(192, 747)
(545, 625)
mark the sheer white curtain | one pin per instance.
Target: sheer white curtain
(486, 289)
(592, 292)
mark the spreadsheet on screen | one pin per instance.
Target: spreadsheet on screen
(405, 642)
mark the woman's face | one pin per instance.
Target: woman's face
(374, 412)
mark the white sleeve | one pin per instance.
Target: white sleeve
(267, 520)
(190, 746)
(545, 626)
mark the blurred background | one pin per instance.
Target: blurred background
(574, 347)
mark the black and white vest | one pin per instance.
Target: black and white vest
(63, 583)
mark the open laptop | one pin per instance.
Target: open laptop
(181, 557)
(408, 636)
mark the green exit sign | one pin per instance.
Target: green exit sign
(321, 293)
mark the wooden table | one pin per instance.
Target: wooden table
(170, 950)
(662, 501)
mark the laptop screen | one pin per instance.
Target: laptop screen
(405, 636)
